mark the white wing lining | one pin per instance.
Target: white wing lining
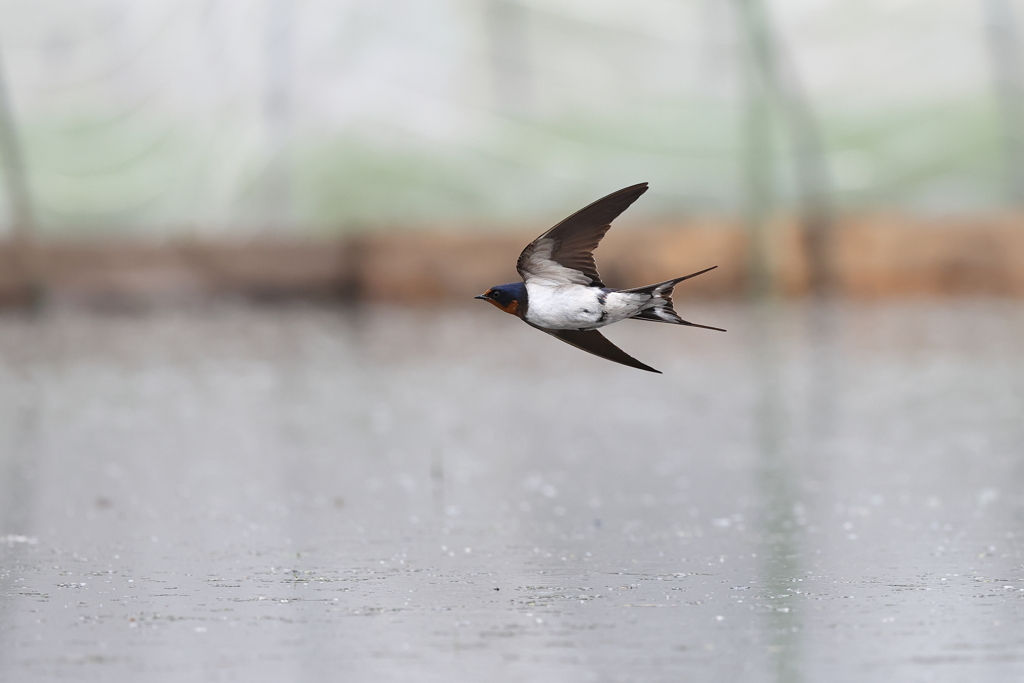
(541, 269)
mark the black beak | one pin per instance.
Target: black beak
(481, 296)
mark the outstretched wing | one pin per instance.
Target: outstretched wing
(565, 253)
(596, 343)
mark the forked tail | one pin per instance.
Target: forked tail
(659, 308)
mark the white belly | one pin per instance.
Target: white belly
(578, 307)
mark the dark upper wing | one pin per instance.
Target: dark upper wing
(596, 343)
(565, 253)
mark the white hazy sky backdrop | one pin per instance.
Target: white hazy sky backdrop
(214, 115)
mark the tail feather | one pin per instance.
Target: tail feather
(659, 308)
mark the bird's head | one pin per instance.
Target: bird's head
(509, 298)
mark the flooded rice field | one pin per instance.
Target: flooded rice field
(384, 494)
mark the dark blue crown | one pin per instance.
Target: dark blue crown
(506, 294)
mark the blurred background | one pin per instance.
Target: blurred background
(219, 120)
(221, 491)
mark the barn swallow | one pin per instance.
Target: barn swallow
(562, 293)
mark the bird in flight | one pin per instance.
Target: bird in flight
(562, 293)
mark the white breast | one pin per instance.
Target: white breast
(577, 307)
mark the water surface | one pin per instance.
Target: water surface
(383, 494)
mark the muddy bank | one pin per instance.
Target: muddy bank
(872, 257)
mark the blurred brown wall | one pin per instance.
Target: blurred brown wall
(876, 256)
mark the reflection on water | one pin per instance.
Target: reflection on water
(295, 494)
(776, 477)
(17, 427)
